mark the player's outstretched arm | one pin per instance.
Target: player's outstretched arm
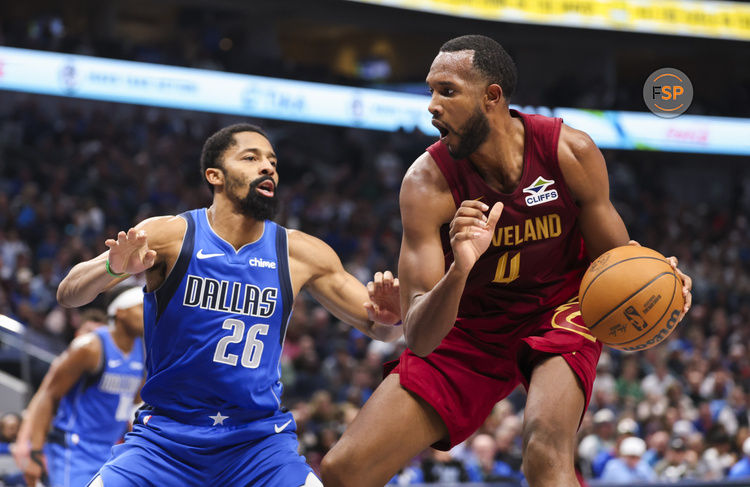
(430, 295)
(132, 252)
(374, 310)
(82, 356)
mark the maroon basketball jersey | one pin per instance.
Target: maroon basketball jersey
(537, 257)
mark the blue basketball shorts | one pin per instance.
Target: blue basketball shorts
(74, 462)
(161, 451)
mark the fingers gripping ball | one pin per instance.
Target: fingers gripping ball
(631, 298)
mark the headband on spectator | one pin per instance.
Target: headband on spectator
(128, 299)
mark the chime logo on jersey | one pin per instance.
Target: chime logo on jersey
(538, 192)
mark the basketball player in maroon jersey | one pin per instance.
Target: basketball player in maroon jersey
(501, 218)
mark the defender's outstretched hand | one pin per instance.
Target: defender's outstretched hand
(385, 302)
(130, 253)
(471, 232)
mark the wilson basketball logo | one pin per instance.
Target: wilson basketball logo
(668, 92)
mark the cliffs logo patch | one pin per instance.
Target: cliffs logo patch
(538, 192)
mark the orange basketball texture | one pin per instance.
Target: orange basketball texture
(631, 298)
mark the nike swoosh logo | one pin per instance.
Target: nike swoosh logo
(201, 255)
(114, 363)
(278, 429)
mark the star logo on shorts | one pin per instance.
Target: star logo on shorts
(218, 419)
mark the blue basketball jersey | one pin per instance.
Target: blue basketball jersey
(99, 407)
(215, 328)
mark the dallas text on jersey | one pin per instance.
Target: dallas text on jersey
(226, 297)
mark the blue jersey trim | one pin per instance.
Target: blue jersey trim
(282, 255)
(165, 292)
(93, 379)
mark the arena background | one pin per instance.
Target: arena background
(78, 166)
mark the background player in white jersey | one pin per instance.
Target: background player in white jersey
(90, 392)
(220, 287)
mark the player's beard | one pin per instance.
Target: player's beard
(255, 205)
(473, 134)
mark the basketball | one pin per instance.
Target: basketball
(631, 298)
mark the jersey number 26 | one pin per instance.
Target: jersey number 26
(252, 350)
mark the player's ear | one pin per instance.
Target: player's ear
(493, 95)
(214, 176)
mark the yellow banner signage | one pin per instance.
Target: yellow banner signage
(724, 20)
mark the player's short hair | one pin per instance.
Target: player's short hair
(219, 142)
(490, 59)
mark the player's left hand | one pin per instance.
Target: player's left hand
(687, 283)
(385, 301)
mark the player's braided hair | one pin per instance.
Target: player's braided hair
(218, 143)
(490, 59)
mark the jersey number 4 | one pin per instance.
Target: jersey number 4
(252, 350)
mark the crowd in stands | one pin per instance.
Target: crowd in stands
(73, 173)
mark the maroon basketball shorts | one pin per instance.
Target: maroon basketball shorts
(472, 369)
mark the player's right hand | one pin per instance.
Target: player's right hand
(471, 232)
(130, 252)
(34, 469)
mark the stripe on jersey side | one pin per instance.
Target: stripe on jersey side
(285, 281)
(165, 292)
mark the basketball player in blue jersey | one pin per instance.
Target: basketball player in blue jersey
(221, 282)
(95, 382)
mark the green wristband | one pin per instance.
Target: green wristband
(114, 274)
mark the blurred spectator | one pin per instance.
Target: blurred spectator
(484, 467)
(678, 464)
(741, 470)
(626, 428)
(9, 424)
(508, 450)
(600, 441)
(657, 443)
(604, 392)
(440, 467)
(628, 468)
(656, 383)
(10, 475)
(718, 457)
(628, 382)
